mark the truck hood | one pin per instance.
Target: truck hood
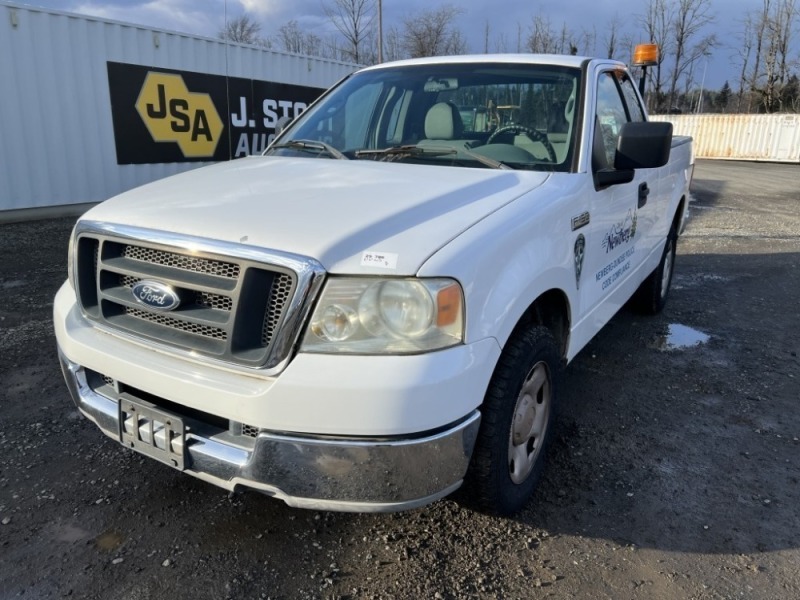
(342, 213)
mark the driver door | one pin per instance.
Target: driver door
(619, 213)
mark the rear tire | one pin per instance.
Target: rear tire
(651, 297)
(516, 424)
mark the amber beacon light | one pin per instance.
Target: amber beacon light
(645, 55)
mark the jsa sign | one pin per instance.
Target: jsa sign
(163, 115)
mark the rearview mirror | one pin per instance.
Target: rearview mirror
(442, 84)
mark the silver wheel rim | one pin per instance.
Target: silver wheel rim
(529, 423)
(667, 274)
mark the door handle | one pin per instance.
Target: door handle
(644, 192)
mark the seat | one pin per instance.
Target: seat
(557, 119)
(444, 127)
(560, 126)
(443, 122)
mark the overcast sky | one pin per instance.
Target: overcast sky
(206, 17)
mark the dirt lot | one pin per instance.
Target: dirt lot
(674, 473)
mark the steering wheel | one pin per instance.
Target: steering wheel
(532, 133)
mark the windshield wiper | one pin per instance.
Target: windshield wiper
(310, 145)
(489, 162)
(407, 150)
(399, 152)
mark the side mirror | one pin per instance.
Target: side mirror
(643, 145)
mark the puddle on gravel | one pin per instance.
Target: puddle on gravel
(679, 337)
(109, 540)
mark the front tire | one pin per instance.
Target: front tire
(516, 423)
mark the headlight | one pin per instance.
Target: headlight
(386, 316)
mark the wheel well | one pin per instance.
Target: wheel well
(551, 309)
(677, 219)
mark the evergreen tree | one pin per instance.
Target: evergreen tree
(724, 97)
(790, 95)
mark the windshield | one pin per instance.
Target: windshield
(516, 115)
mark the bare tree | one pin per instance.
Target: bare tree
(243, 30)
(456, 43)
(617, 43)
(612, 37)
(312, 45)
(290, 37)
(779, 25)
(760, 33)
(744, 51)
(766, 55)
(501, 42)
(565, 42)
(433, 33)
(627, 44)
(393, 45)
(591, 39)
(657, 21)
(584, 42)
(353, 19)
(542, 39)
(691, 17)
(789, 14)
(369, 49)
(331, 47)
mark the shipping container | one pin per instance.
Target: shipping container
(774, 138)
(92, 107)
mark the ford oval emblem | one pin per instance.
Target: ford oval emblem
(156, 295)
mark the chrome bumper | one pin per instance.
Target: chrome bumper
(324, 474)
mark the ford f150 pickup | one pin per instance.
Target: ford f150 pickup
(378, 309)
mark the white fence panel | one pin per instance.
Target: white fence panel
(774, 138)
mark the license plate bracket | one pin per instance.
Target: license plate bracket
(151, 431)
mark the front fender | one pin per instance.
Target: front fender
(510, 258)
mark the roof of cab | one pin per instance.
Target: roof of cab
(559, 60)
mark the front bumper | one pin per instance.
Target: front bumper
(326, 473)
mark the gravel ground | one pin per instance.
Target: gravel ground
(674, 473)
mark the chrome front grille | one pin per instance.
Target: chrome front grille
(245, 306)
(281, 291)
(165, 321)
(181, 261)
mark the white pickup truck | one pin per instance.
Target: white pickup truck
(377, 310)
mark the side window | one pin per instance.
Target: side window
(631, 99)
(611, 114)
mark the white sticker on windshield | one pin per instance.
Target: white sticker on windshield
(380, 260)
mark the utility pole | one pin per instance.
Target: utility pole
(380, 31)
(702, 86)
